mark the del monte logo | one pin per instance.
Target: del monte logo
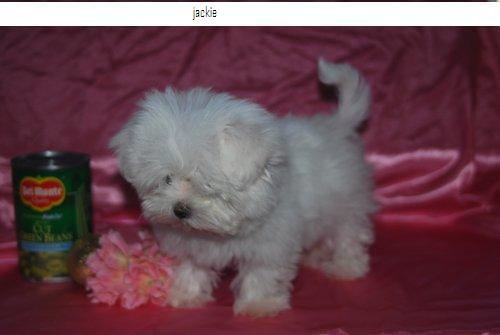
(42, 194)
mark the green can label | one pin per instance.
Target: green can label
(52, 211)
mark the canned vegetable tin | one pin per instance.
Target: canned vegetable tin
(52, 200)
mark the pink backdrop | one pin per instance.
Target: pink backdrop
(433, 139)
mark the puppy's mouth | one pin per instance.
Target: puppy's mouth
(192, 226)
(211, 229)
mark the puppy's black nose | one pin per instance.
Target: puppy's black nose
(181, 210)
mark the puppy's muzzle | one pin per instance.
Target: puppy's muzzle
(182, 210)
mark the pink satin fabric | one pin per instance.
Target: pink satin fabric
(433, 139)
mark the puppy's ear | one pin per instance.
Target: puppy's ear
(245, 149)
(120, 145)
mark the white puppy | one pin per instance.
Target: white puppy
(225, 183)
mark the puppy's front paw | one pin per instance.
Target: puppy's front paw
(185, 297)
(192, 286)
(263, 307)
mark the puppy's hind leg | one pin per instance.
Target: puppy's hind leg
(350, 249)
(344, 253)
(192, 286)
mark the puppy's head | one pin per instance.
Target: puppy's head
(202, 161)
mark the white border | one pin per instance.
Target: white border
(250, 14)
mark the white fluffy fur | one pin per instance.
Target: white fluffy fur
(263, 191)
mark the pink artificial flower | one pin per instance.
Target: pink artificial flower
(159, 292)
(149, 245)
(115, 252)
(140, 279)
(135, 273)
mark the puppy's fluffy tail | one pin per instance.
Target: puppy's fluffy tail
(354, 93)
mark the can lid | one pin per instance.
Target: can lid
(50, 160)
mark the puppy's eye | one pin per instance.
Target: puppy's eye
(168, 179)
